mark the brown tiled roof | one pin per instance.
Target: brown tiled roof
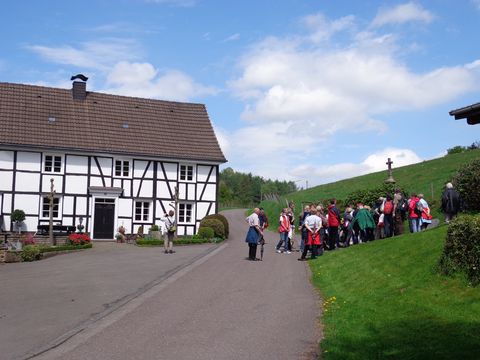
(105, 123)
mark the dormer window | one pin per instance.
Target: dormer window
(52, 164)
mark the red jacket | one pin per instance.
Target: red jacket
(333, 216)
(411, 208)
(284, 224)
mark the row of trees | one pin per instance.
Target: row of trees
(240, 189)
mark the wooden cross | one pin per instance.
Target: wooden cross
(51, 196)
(389, 163)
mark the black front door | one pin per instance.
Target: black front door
(104, 221)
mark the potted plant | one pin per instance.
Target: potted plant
(18, 216)
(154, 232)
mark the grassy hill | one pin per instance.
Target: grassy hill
(427, 177)
(384, 299)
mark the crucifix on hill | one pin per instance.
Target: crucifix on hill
(51, 196)
(390, 179)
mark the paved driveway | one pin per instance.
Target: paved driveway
(52, 299)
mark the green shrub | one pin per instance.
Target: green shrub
(461, 252)
(370, 196)
(154, 228)
(47, 248)
(456, 150)
(216, 225)
(18, 215)
(224, 221)
(467, 183)
(30, 253)
(206, 233)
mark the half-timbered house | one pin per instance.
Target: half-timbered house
(115, 160)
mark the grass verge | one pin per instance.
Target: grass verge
(385, 300)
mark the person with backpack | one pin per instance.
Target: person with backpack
(400, 206)
(388, 216)
(171, 227)
(333, 224)
(425, 217)
(414, 214)
(451, 202)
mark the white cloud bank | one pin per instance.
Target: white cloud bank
(114, 60)
(303, 90)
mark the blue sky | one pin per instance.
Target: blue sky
(296, 90)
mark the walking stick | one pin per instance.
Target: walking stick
(262, 242)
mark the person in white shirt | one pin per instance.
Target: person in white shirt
(169, 227)
(253, 234)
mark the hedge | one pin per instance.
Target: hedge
(216, 225)
(224, 221)
(461, 253)
(45, 249)
(206, 233)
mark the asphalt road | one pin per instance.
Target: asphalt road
(220, 307)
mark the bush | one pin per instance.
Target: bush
(206, 233)
(461, 252)
(456, 150)
(224, 221)
(18, 215)
(370, 196)
(30, 253)
(78, 239)
(467, 182)
(154, 228)
(216, 225)
(47, 249)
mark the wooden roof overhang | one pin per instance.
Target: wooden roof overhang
(471, 113)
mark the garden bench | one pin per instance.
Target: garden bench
(57, 229)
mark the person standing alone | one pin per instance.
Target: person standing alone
(451, 202)
(253, 234)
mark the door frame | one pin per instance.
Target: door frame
(115, 214)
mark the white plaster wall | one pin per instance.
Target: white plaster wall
(30, 223)
(29, 161)
(140, 166)
(76, 184)
(191, 191)
(57, 183)
(77, 164)
(210, 192)
(171, 170)
(81, 207)
(7, 203)
(162, 189)
(125, 207)
(126, 223)
(27, 182)
(27, 203)
(6, 180)
(202, 172)
(96, 181)
(6, 159)
(67, 221)
(189, 231)
(127, 187)
(105, 165)
(117, 183)
(180, 230)
(202, 210)
(182, 191)
(68, 205)
(147, 189)
(8, 225)
(213, 176)
(159, 171)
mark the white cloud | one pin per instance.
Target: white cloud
(144, 80)
(232, 37)
(90, 55)
(409, 12)
(303, 90)
(373, 163)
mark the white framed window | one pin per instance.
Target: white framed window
(142, 211)
(185, 213)
(122, 168)
(45, 213)
(186, 172)
(52, 163)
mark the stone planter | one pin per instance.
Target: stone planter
(155, 234)
(12, 256)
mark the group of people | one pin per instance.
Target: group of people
(326, 229)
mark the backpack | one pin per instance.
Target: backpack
(388, 207)
(402, 205)
(418, 209)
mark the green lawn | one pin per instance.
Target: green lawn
(384, 299)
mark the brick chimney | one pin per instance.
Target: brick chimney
(79, 88)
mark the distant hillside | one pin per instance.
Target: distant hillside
(427, 177)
